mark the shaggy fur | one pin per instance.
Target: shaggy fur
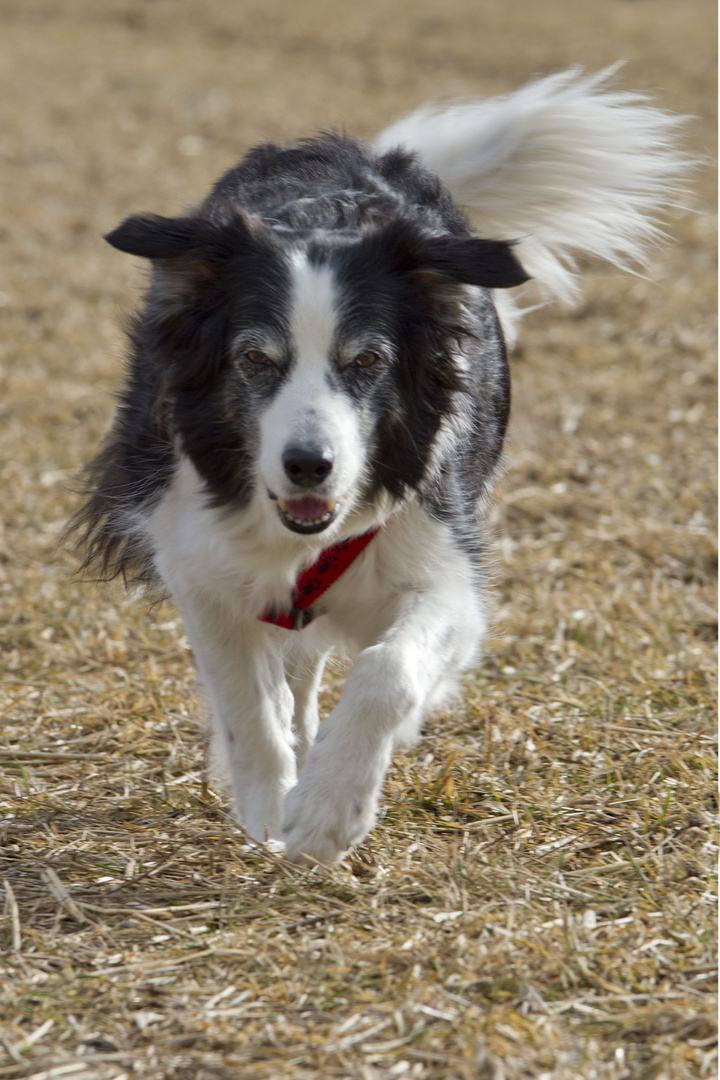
(320, 354)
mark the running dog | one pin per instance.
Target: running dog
(314, 412)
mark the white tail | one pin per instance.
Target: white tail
(564, 166)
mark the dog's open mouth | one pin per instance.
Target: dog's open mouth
(307, 513)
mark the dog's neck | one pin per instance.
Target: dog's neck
(313, 582)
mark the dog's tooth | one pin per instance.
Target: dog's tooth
(307, 523)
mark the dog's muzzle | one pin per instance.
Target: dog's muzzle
(309, 512)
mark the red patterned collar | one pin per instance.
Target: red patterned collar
(314, 581)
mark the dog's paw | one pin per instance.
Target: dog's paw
(313, 834)
(260, 809)
(331, 808)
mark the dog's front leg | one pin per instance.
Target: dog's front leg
(386, 694)
(251, 706)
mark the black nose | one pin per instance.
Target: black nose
(307, 467)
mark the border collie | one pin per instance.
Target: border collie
(314, 413)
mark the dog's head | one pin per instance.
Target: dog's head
(313, 373)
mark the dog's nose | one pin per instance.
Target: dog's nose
(307, 468)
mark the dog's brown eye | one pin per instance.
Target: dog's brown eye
(366, 359)
(257, 357)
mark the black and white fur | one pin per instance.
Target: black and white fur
(320, 353)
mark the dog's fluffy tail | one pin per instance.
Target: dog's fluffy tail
(565, 165)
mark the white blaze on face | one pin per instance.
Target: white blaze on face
(313, 314)
(309, 413)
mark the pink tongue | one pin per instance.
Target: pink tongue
(308, 508)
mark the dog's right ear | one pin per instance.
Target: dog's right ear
(193, 239)
(154, 237)
(188, 252)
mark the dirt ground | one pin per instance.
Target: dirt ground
(537, 899)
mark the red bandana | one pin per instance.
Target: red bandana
(313, 582)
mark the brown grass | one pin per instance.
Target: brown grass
(537, 900)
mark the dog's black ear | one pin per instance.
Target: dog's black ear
(490, 263)
(188, 252)
(153, 237)
(189, 239)
(432, 260)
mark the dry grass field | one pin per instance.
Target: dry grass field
(537, 900)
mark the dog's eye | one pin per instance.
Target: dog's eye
(366, 359)
(254, 356)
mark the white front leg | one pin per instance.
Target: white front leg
(386, 696)
(251, 706)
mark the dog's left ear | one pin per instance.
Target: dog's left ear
(490, 263)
